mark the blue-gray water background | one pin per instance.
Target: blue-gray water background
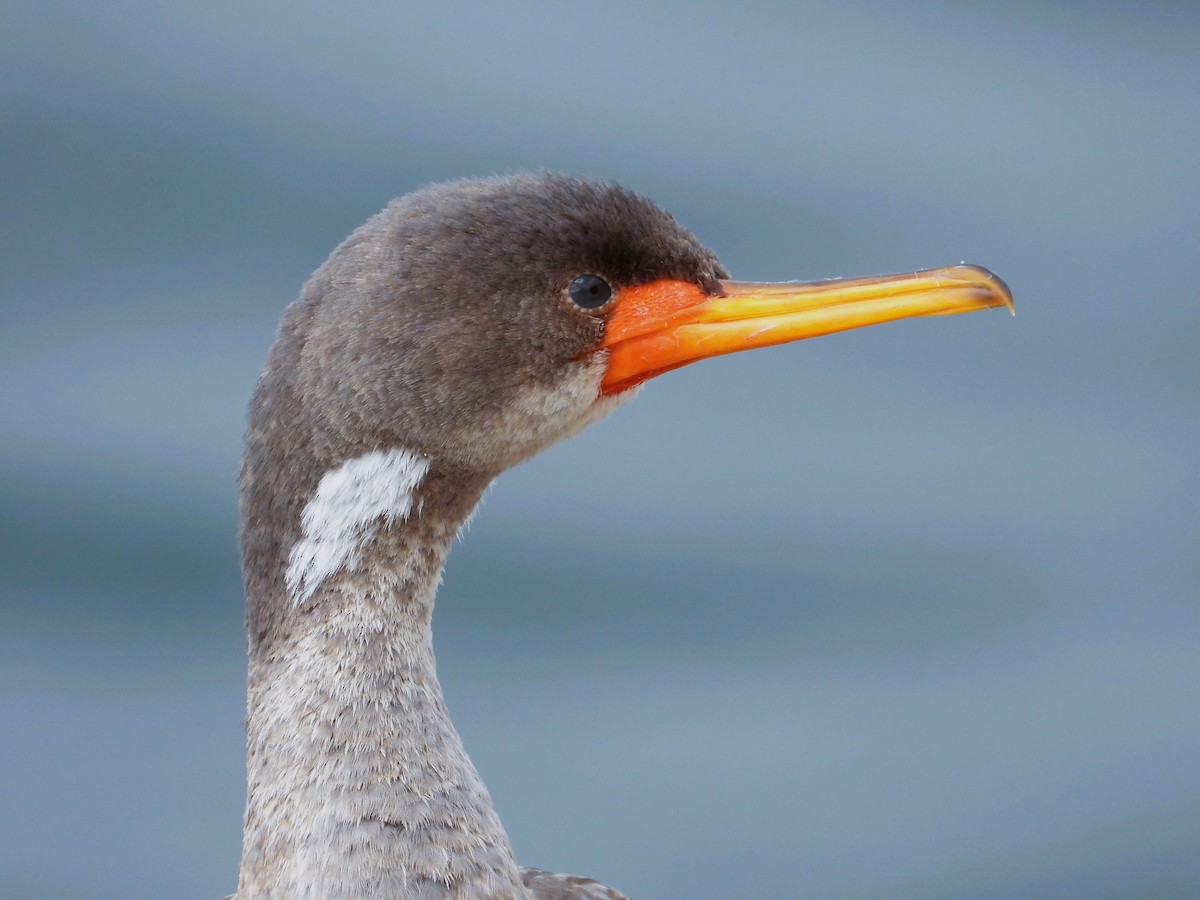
(906, 612)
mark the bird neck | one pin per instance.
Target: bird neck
(358, 784)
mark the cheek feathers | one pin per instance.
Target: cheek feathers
(535, 416)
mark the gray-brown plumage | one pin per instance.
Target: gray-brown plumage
(439, 328)
(456, 333)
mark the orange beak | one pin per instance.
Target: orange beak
(666, 324)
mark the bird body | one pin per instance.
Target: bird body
(455, 334)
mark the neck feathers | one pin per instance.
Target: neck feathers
(352, 503)
(358, 784)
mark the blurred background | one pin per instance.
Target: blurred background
(910, 612)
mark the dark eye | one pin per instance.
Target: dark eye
(590, 291)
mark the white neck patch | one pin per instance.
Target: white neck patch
(351, 503)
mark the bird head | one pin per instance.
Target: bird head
(479, 321)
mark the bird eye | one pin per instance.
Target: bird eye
(590, 291)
